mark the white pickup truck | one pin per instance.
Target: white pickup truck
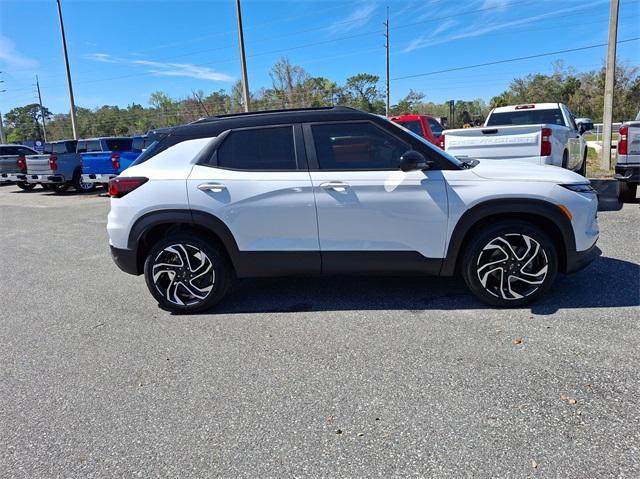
(540, 133)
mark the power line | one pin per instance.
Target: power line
(436, 72)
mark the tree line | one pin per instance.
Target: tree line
(293, 87)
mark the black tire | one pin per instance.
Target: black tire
(176, 250)
(627, 192)
(583, 167)
(488, 257)
(23, 185)
(80, 186)
(565, 159)
(45, 186)
(58, 188)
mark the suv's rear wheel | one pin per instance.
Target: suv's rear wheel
(187, 274)
(510, 264)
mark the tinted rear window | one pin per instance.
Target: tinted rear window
(526, 117)
(47, 148)
(258, 149)
(119, 144)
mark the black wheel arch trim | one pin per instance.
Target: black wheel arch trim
(526, 206)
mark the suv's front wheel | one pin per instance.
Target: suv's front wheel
(187, 274)
(510, 264)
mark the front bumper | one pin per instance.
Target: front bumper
(628, 172)
(13, 177)
(578, 260)
(97, 178)
(45, 179)
(126, 260)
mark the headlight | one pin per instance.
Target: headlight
(580, 188)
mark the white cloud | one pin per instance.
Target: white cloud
(479, 29)
(11, 57)
(102, 57)
(166, 69)
(184, 70)
(497, 4)
(358, 18)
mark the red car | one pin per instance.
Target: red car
(423, 125)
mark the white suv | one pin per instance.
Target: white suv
(336, 190)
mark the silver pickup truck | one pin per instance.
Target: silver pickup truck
(539, 133)
(13, 166)
(59, 167)
(628, 161)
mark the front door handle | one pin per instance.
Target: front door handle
(335, 186)
(215, 187)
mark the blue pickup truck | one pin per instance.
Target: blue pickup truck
(106, 158)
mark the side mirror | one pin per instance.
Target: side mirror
(584, 125)
(414, 160)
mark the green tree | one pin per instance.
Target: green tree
(25, 122)
(361, 91)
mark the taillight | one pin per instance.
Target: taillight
(118, 187)
(115, 161)
(545, 143)
(53, 162)
(441, 142)
(22, 163)
(623, 142)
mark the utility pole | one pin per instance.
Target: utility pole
(386, 35)
(199, 100)
(44, 120)
(243, 60)
(66, 62)
(3, 139)
(609, 83)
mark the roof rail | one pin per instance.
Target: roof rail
(282, 110)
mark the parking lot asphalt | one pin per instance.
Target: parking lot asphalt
(342, 377)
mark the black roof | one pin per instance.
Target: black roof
(214, 125)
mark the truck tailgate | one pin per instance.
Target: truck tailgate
(38, 165)
(502, 142)
(9, 164)
(97, 163)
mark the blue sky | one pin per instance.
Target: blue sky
(122, 51)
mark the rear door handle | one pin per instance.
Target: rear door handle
(335, 186)
(215, 187)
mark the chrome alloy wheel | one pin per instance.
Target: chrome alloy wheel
(512, 266)
(84, 186)
(183, 274)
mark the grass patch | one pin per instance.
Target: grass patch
(593, 165)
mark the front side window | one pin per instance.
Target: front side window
(413, 125)
(436, 128)
(258, 149)
(356, 146)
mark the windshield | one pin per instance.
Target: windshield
(526, 117)
(426, 143)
